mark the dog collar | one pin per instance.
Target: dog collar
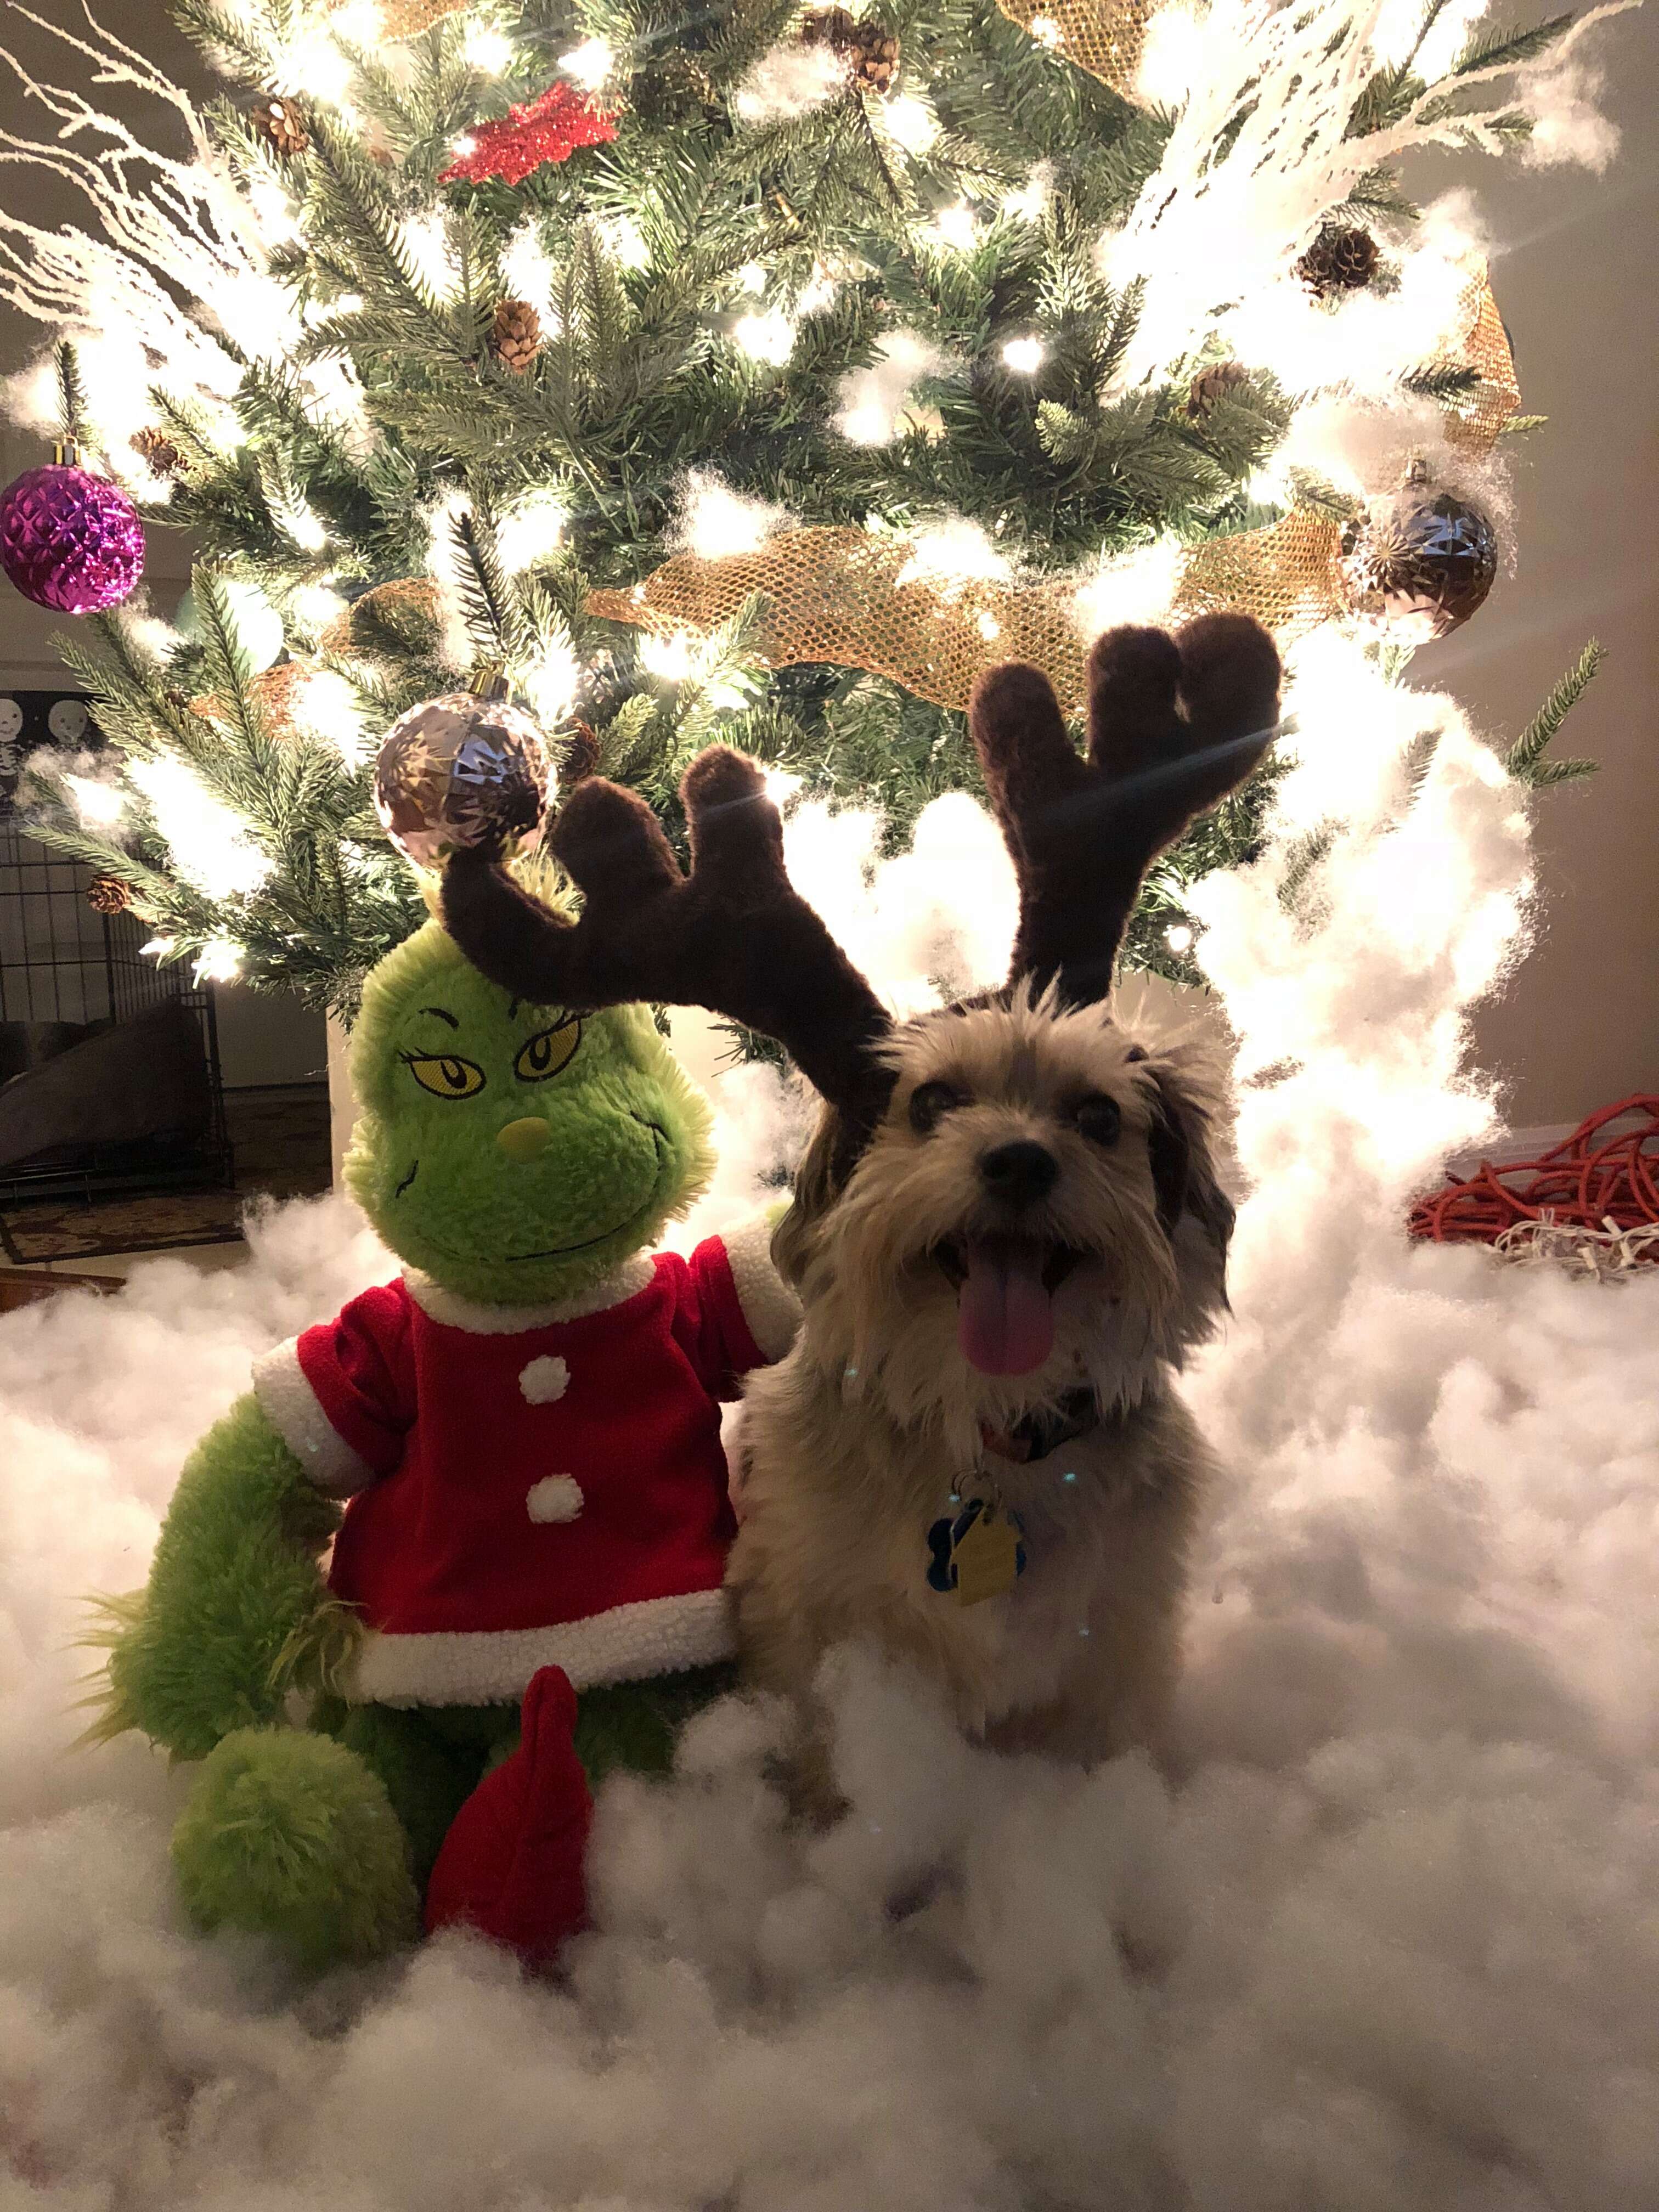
(1041, 1433)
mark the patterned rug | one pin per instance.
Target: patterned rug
(281, 1143)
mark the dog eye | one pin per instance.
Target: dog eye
(1099, 1119)
(930, 1103)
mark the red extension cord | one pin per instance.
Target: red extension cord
(1585, 1181)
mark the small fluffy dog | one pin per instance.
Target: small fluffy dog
(1008, 1231)
(993, 1301)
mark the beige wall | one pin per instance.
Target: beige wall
(1579, 279)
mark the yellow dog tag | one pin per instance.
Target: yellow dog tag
(987, 1560)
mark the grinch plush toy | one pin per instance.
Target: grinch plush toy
(524, 1431)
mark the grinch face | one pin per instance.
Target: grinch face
(514, 1153)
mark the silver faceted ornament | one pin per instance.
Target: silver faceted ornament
(462, 771)
(1418, 564)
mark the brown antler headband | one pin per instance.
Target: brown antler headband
(734, 936)
(1175, 724)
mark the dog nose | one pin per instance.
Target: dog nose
(1022, 1172)
(525, 1140)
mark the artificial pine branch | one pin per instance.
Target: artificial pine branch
(1525, 759)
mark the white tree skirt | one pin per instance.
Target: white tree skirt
(1391, 1940)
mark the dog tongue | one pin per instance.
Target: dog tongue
(1004, 1322)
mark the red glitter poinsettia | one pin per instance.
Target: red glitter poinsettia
(549, 128)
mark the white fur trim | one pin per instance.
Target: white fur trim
(660, 1636)
(555, 1498)
(769, 1306)
(290, 1404)
(543, 1380)
(443, 1306)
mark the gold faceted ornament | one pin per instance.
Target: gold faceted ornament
(407, 19)
(405, 616)
(109, 894)
(462, 772)
(516, 336)
(282, 125)
(1107, 37)
(871, 54)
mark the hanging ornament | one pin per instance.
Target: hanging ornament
(549, 128)
(871, 55)
(515, 339)
(1107, 37)
(158, 452)
(1418, 564)
(282, 125)
(465, 770)
(407, 19)
(1212, 385)
(70, 540)
(1342, 258)
(108, 894)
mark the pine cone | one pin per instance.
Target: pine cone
(871, 54)
(108, 894)
(516, 338)
(282, 125)
(158, 452)
(1341, 259)
(579, 755)
(1219, 381)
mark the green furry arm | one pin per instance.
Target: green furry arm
(236, 1612)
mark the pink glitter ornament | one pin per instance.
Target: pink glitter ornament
(549, 128)
(70, 540)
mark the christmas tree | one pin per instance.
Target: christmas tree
(745, 374)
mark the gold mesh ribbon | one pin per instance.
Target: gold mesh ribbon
(1477, 416)
(408, 608)
(835, 595)
(841, 596)
(275, 690)
(1105, 37)
(407, 19)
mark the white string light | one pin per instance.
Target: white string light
(219, 961)
(770, 337)
(955, 227)
(488, 47)
(1025, 355)
(588, 64)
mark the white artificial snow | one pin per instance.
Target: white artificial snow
(875, 401)
(790, 79)
(1385, 1936)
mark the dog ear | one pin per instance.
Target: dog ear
(1183, 1169)
(826, 1166)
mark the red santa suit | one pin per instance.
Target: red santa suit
(532, 1487)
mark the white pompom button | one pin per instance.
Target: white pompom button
(555, 1498)
(544, 1380)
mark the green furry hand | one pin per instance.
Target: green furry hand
(236, 1612)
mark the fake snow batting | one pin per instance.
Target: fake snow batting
(1384, 1936)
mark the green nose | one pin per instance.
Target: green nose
(525, 1140)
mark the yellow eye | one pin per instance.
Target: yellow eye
(444, 1075)
(548, 1051)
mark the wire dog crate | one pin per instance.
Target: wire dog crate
(69, 975)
